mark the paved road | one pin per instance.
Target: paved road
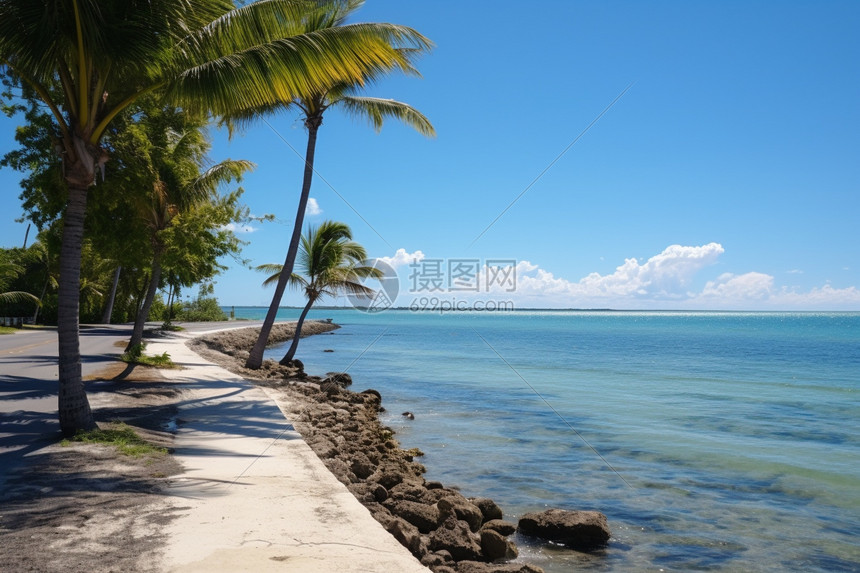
(28, 384)
(28, 381)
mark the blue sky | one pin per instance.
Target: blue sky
(726, 177)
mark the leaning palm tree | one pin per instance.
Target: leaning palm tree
(331, 264)
(313, 104)
(89, 60)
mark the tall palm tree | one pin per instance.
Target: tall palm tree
(89, 60)
(313, 104)
(331, 263)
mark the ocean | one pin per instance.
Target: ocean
(712, 441)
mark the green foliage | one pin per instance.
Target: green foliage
(8, 330)
(202, 309)
(121, 436)
(135, 355)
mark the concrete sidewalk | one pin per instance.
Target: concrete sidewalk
(254, 497)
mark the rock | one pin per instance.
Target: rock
(425, 517)
(462, 509)
(406, 533)
(500, 526)
(495, 546)
(342, 379)
(379, 492)
(328, 350)
(362, 466)
(372, 392)
(434, 485)
(331, 388)
(577, 529)
(488, 508)
(408, 415)
(297, 364)
(455, 537)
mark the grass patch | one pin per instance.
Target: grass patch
(7, 330)
(120, 435)
(170, 327)
(136, 356)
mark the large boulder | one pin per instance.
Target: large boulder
(495, 546)
(500, 526)
(462, 509)
(425, 517)
(577, 529)
(406, 533)
(455, 537)
(488, 507)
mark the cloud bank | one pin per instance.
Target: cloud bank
(664, 281)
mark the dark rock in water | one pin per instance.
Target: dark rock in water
(340, 378)
(495, 546)
(577, 529)
(328, 350)
(455, 537)
(488, 507)
(500, 526)
(408, 415)
(478, 567)
(434, 485)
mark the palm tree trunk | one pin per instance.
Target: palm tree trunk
(143, 313)
(292, 351)
(74, 408)
(41, 300)
(109, 306)
(255, 359)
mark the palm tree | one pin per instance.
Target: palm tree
(44, 260)
(89, 60)
(331, 264)
(313, 104)
(179, 187)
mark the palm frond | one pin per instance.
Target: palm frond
(377, 110)
(18, 296)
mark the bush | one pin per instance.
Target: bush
(203, 309)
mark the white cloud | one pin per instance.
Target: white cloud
(313, 208)
(401, 257)
(241, 228)
(662, 277)
(664, 282)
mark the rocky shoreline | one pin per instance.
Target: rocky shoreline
(446, 531)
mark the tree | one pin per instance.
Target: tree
(89, 60)
(313, 104)
(177, 154)
(331, 263)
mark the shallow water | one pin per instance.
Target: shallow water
(712, 441)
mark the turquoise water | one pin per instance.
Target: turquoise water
(712, 441)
